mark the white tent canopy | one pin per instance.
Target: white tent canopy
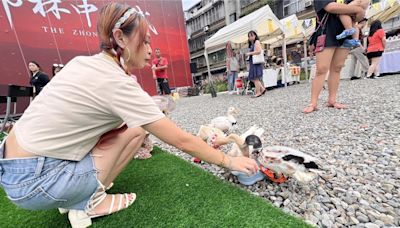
(292, 29)
(263, 21)
(259, 21)
(305, 28)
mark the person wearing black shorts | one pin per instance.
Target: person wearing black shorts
(159, 67)
(376, 46)
(332, 56)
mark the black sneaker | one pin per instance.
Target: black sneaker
(354, 78)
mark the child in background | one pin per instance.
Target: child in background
(349, 23)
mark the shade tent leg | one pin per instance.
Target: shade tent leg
(284, 59)
(210, 80)
(305, 57)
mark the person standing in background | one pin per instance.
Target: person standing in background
(159, 67)
(376, 47)
(38, 78)
(357, 54)
(232, 68)
(255, 70)
(296, 55)
(330, 52)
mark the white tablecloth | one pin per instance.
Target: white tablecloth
(390, 62)
(289, 76)
(270, 77)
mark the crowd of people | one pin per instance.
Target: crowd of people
(88, 122)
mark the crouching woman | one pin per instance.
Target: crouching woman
(68, 147)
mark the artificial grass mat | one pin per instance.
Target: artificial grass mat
(170, 193)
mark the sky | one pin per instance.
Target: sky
(188, 3)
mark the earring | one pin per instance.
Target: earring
(129, 55)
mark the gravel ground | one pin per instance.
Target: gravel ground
(358, 148)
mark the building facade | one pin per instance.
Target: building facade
(208, 16)
(204, 19)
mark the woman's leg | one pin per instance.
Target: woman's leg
(323, 62)
(259, 87)
(373, 66)
(230, 85)
(376, 70)
(111, 159)
(234, 77)
(338, 59)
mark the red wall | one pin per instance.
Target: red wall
(47, 39)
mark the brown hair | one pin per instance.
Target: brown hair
(109, 15)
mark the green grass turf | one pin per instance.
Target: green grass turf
(170, 193)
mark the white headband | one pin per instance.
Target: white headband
(125, 17)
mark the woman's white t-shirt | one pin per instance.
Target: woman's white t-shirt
(89, 97)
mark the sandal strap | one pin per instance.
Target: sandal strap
(120, 201)
(97, 199)
(110, 186)
(112, 204)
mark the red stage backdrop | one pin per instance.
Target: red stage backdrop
(55, 31)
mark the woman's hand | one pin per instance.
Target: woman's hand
(242, 164)
(248, 54)
(167, 131)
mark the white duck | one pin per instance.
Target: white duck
(226, 123)
(240, 148)
(285, 162)
(216, 138)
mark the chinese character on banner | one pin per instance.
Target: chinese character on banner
(144, 14)
(86, 9)
(52, 6)
(7, 4)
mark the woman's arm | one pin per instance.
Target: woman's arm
(257, 48)
(228, 64)
(384, 42)
(167, 131)
(337, 8)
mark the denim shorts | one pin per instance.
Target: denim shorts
(39, 183)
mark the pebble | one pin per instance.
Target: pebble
(358, 149)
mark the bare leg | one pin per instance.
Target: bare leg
(374, 65)
(349, 28)
(110, 160)
(324, 59)
(259, 87)
(337, 64)
(376, 71)
(346, 20)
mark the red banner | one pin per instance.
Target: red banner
(55, 31)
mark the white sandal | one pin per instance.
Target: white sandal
(82, 219)
(65, 211)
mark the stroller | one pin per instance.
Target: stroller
(244, 86)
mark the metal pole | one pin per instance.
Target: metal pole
(305, 56)
(284, 59)
(210, 80)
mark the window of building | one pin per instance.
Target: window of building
(293, 6)
(218, 56)
(232, 18)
